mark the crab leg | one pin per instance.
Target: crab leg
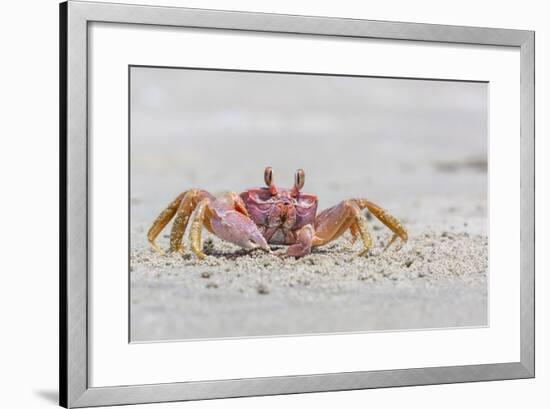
(162, 220)
(333, 222)
(183, 206)
(196, 229)
(188, 204)
(389, 221)
(354, 230)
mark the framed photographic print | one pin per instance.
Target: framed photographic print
(258, 204)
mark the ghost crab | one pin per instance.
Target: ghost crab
(270, 214)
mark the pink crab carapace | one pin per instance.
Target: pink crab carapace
(259, 216)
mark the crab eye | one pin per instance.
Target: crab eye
(268, 175)
(299, 179)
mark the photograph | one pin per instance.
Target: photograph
(266, 204)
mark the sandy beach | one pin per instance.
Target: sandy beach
(426, 163)
(435, 281)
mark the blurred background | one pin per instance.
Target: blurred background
(417, 147)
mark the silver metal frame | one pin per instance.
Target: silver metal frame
(74, 18)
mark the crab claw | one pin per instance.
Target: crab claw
(238, 229)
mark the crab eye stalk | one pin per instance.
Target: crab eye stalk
(299, 179)
(268, 176)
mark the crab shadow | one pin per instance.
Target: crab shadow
(278, 252)
(230, 255)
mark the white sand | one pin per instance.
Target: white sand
(436, 280)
